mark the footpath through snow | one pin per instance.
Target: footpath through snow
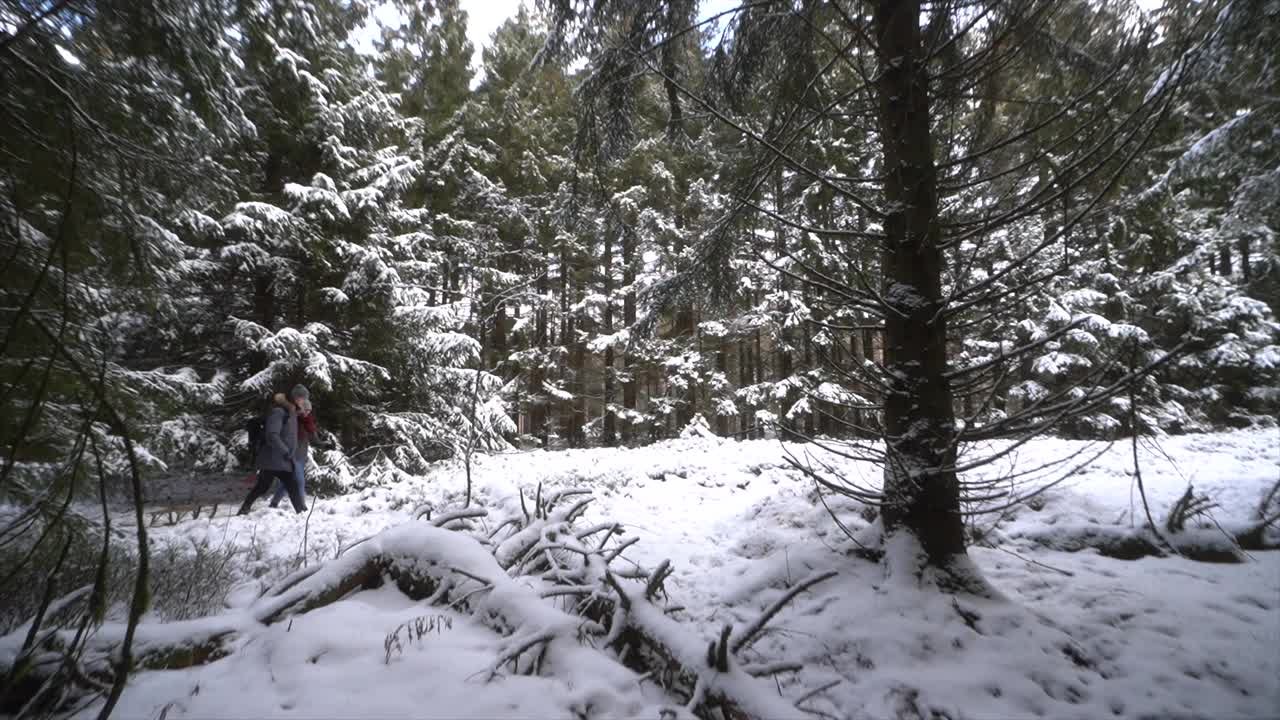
(1080, 635)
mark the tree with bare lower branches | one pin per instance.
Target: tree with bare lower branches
(971, 179)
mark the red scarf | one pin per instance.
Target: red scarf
(306, 425)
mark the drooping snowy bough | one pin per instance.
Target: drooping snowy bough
(559, 594)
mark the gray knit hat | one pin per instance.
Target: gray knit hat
(299, 391)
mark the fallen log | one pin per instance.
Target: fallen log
(1215, 545)
(162, 646)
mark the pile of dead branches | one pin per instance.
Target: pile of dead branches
(561, 594)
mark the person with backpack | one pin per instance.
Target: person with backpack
(273, 454)
(301, 398)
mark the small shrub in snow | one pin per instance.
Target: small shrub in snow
(192, 579)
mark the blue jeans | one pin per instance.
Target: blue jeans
(299, 474)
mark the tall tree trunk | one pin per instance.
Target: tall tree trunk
(609, 431)
(566, 340)
(723, 426)
(498, 341)
(687, 327)
(629, 387)
(577, 359)
(264, 299)
(537, 374)
(921, 513)
(744, 379)
(758, 364)
(578, 366)
(782, 348)
(1224, 260)
(675, 22)
(814, 408)
(1245, 271)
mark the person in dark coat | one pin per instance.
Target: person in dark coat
(274, 456)
(307, 428)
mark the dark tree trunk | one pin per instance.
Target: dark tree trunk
(537, 374)
(566, 340)
(921, 512)
(629, 389)
(723, 427)
(609, 431)
(758, 365)
(1224, 260)
(1245, 270)
(783, 364)
(498, 339)
(577, 433)
(687, 326)
(578, 367)
(744, 379)
(264, 299)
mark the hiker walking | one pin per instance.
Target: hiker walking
(301, 399)
(274, 454)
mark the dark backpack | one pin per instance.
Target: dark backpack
(256, 428)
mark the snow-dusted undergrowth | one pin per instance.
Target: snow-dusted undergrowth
(1159, 637)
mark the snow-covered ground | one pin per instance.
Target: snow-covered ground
(1078, 635)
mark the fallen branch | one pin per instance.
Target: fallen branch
(752, 631)
(1133, 544)
(463, 514)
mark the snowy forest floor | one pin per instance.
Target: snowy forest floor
(1157, 637)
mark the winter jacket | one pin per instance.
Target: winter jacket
(306, 430)
(279, 441)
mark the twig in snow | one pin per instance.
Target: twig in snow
(611, 527)
(575, 590)
(617, 550)
(1068, 573)
(562, 494)
(577, 508)
(477, 578)
(657, 580)
(814, 693)
(752, 631)
(505, 523)
(772, 668)
(306, 531)
(457, 603)
(722, 649)
(512, 654)
(1137, 471)
(464, 514)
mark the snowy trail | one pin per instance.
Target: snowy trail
(1156, 637)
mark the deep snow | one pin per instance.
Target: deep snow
(1153, 638)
